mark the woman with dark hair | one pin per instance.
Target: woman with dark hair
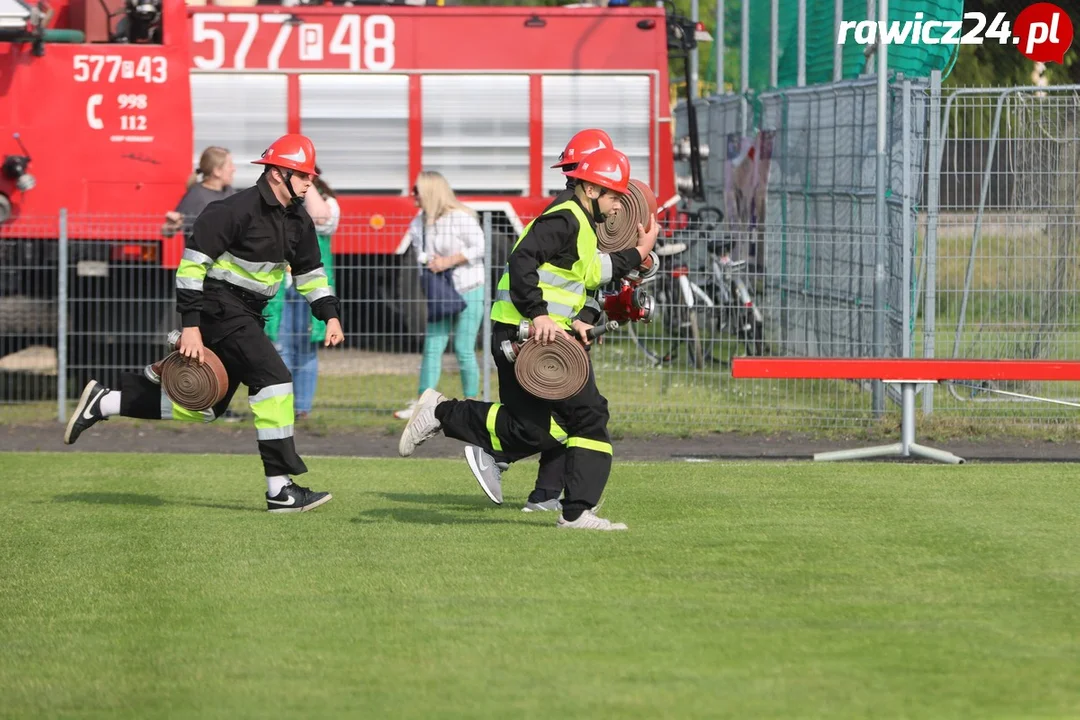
(211, 181)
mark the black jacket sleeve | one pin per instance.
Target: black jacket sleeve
(544, 240)
(592, 311)
(214, 231)
(310, 275)
(623, 262)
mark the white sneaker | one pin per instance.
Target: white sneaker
(589, 521)
(422, 425)
(407, 412)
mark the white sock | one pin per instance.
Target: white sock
(110, 403)
(275, 483)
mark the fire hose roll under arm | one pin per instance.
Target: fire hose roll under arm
(555, 371)
(193, 386)
(619, 231)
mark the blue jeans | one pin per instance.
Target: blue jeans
(296, 348)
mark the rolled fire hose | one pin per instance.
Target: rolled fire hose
(193, 386)
(619, 231)
(558, 370)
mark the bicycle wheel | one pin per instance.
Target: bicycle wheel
(658, 340)
(751, 333)
(679, 334)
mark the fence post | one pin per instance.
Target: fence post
(838, 49)
(869, 66)
(62, 317)
(692, 91)
(487, 308)
(880, 250)
(933, 192)
(774, 44)
(801, 39)
(720, 45)
(905, 223)
(744, 66)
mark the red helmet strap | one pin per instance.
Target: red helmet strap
(597, 216)
(286, 176)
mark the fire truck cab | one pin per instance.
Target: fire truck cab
(95, 122)
(109, 111)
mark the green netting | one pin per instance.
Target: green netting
(913, 60)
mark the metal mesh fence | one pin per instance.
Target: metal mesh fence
(93, 297)
(979, 245)
(1000, 266)
(980, 262)
(821, 240)
(28, 315)
(102, 303)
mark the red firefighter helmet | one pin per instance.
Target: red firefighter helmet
(606, 167)
(292, 152)
(583, 143)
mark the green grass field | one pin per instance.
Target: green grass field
(139, 586)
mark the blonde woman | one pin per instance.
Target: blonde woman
(447, 238)
(211, 181)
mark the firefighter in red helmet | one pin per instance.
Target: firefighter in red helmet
(551, 270)
(294, 157)
(583, 143)
(234, 261)
(488, 468)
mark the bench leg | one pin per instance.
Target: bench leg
(907, 446)
(895, 449)
(930, 453)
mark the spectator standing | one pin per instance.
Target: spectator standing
(211, 181)
(447, 238)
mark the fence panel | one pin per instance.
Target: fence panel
(120, 297)
(1007, 233)
(976, 265)
(28, 320)
(384, 314)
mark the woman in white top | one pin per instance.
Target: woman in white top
(447, 238)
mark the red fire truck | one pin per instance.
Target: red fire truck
(108, 112)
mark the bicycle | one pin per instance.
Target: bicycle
(700, 307)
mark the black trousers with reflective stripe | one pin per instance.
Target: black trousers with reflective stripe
(523, 428)
(235, 333)
(550, 476)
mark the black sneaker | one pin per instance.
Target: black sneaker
(294, 498)
(87, 412)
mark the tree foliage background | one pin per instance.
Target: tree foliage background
(993, 64)
(988, 65)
